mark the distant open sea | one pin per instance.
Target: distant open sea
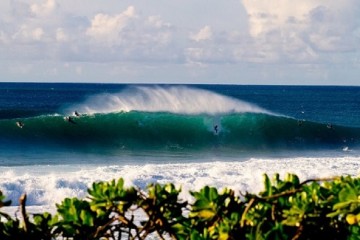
(56, 138)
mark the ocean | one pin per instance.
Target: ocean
(58, 138)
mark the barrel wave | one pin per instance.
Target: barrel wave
(173, 118)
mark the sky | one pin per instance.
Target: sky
(307, 42)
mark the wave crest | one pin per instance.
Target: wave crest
(174, 99)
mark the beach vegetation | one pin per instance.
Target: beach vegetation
(286, 208)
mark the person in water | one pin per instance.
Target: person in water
(20, 124)
(77, 114)
(70, 120)
(216, 128)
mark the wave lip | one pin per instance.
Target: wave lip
(173, 99)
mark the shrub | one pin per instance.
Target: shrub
(285, 209)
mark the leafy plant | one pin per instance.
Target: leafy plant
(285, 209)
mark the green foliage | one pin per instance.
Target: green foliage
(163, 209)
(214, 215)
(111, 196)
(10, 228)
(285, 209)
(76, 219)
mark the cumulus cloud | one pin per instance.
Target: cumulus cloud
(61, 36)
(267, 16)
(29, 34)
(43, 9)
(157, 22)
(107, 28)
(301, 31)
(37, 33)
(204, 34)
(256, 31)
(132, 37)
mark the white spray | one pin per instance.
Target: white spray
(174, 99)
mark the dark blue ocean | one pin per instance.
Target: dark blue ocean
(57, 138)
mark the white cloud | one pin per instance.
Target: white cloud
(131, 37)
(331, 27)
(270, 15)
(43, 9)
(143, 33)
(107, 29)
(204, 34)
(157, 22)
(37, 34)
(301, 31)
(29, 34)
(61, 35)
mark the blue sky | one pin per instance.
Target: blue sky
(310, 42)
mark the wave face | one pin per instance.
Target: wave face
(165, 131)
(172, 118)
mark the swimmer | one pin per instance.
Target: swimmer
(70, 120)
(20, 124)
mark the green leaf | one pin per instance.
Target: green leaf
(206, 214)
(342, 205)
(202, 204)
(87, 218)
(347, 194)
(267, 185)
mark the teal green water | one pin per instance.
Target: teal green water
(117, 120)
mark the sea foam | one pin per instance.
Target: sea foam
(47, 185)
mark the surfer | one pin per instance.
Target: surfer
(70, 120)
(216, 128)
(20, 124)
(77, 114)
(329, 126)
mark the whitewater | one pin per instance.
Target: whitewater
(166, 133)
